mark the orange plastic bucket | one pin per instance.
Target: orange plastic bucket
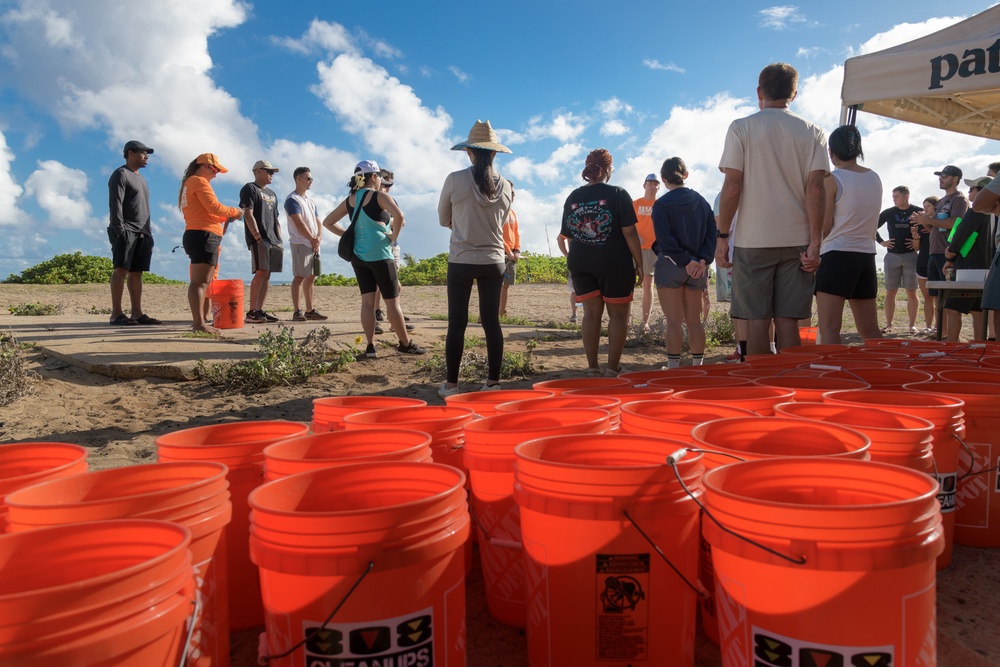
(194, 495)
(598, 593)
(443, 423)
(737, 438)
(852, 361)
(782, 360)
(227, 303)
(610, 403)
(946, 413)
(489, 456)
(698, 382)
(336, 448)
(642, 377)
(977, 500)
(484, 403)
(674, 419)
(758, 400)
(755, 372)
(811, 389)
(865, 594)
(882, 378)
(970, 375)
(822, 349)
(807, 335)
(240, 446)
(100, 594)
(26, 463)
(317, 533)
(557, 387)
(626, 395)
(329, 412)
(898, 439)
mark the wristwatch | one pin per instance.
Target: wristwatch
(723, 235)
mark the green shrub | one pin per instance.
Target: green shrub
(541, 269)
(473, 367)
(34, 309)
(719, 330)
(336, 280)
(431, 271)
(15, 379)
(77, 269)
(282, 362)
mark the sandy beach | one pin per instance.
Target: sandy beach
(119, 419)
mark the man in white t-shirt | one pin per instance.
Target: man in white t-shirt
(304, 235)
(774, 164)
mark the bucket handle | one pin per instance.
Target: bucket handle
(264, 659)
(929, 357)
(672, 461)
(972, 458)
(192, 621)
(697, 586)
(495, 541)
(841, 369)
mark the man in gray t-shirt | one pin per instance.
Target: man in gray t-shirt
(129, 233)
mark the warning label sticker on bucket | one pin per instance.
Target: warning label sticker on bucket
(773, 650)
(404, 641)
(623, 607)
(948, 483)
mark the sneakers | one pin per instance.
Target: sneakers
(370, 352)
(913, 329)
(297, 316)
(409, 327)
(734, 358)
(490, 387)
(611, 373)
(268, 317)
(572, 318)
(379, 316)
(412, 348)
(445, 391)
(315, 316)
(593, 372)
(378, 328)
(253, 318)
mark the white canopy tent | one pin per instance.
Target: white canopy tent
(949, 79)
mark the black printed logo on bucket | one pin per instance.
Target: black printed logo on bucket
(773, 650)
(404, 640)
(948, 486)
(623, 609)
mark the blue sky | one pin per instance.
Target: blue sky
(325, 84)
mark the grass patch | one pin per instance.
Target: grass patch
(282, 361)
(565, 326)
(15, 379)
(472, 340)
(198, 334)
(95, 310)
(34, 309)
(438, 316)
(516, 320)
(719, 330)
(473, 367)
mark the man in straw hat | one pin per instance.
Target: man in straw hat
(474, 204)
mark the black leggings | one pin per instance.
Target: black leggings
(489, 278)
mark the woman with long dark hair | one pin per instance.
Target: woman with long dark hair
(474, 205)
(373, 262)
(847, 254)
(605, 258)
(204, 224)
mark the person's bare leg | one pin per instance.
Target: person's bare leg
(672, 305)
(912, 307)
(590, 328)
(830, 312)
(394, 314)
(134, 284)
(890, 307)
(865, 313)
(201, 275)
(647, 299)
(368, 316)
(617, 333)
(758, 340)
(706, 305)
(787, 331)
(118, 277)
(977, 325)
(692, 304)
(296, 292)
(503, 300)
(952, 325)
(308, 289)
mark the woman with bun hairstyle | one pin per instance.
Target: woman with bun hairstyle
(685, 230)
(373, 263)
(474, 204)
(205, 221)
(604, 257)
(847, 254)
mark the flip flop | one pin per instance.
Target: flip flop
(123, 320)
(146, 319)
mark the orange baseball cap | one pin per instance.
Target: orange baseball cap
(211, 159)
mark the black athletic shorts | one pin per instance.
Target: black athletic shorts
(850, 275)
(202, 247)
(379, 275)
(130, 249)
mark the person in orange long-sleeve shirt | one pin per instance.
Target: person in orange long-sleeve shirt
(205, 221)
(511, 251)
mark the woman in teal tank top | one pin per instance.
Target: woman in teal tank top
(373, 261)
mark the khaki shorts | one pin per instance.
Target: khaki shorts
(648, 262)
(770, 282)
(302, 260)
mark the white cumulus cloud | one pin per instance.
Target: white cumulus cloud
(61, 192)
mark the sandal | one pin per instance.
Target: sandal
(887, 328)
(123, 320)
(146, 319)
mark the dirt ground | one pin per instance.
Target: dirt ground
(118, 420)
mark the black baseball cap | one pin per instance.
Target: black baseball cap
(950, 170)
(136, 146)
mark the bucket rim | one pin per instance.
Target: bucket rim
(164, 440)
